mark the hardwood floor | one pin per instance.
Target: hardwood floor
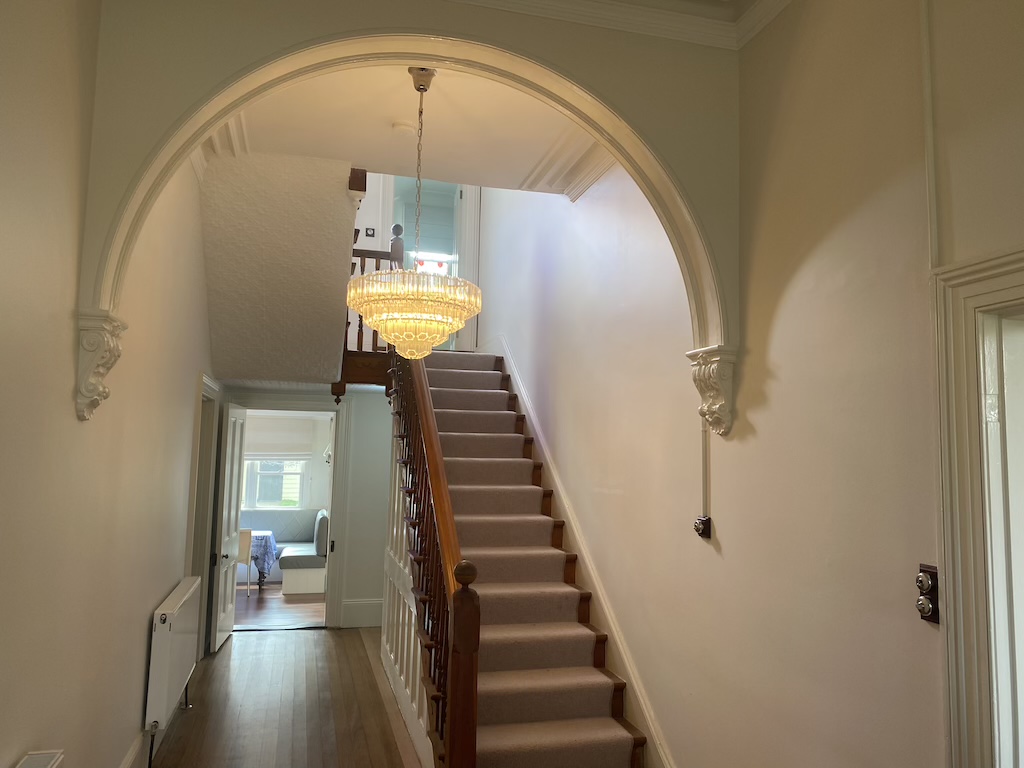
(267, 608)
(294, 699)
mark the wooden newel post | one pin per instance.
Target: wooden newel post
(460, 746)
(397, 247)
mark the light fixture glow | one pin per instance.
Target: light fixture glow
(414, 311)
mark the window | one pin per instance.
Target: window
(275, 482)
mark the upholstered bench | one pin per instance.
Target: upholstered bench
(291, 528)
(304, 566)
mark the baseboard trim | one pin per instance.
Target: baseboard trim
(646, 720)
(131, 760)
(362, 613)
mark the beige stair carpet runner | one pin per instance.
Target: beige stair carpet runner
(545, 700)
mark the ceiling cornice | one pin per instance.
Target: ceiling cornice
(679, 25)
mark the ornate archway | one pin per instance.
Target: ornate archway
(104, 269)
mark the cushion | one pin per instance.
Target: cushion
(287, 524)
(301, 556)
(320, 529)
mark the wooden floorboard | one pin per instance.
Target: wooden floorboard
(285, 699)
(267, 608)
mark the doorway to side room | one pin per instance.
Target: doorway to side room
(285, 499)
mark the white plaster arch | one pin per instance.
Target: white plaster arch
(103, 273)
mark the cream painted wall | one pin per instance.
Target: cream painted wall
(158, 64)
(978, 84)
(796, 626)
(368, 473)
(827, 493)
(591, 306)
(104, 502)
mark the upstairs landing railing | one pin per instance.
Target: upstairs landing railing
(448, 609)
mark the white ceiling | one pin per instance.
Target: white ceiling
(476, 131)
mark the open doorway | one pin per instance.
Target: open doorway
(285, 499)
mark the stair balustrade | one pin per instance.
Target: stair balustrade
(448, 609)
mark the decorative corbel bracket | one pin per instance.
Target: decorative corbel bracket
(712, 375)
(99, 347)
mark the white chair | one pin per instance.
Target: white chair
(245, 555)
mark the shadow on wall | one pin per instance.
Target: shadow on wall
(820, 143)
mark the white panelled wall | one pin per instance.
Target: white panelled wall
(400, 646)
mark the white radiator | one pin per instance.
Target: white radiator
(172, 655)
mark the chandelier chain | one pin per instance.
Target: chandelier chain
(419, 172)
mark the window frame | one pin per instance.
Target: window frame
(250, 479)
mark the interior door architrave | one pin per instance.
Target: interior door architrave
(963, 293)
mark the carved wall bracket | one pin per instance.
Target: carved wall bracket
(712, 375)
(99, 347)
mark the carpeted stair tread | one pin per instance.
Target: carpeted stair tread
(458, 379)
(517, 564)
(504, 530)
(482, 446)
(529, 695)
(464, 361)
(470, 399)
(529, 603)
(462, 420)
(473, 471)
(495, 499)
(599, 742)
(535, 646)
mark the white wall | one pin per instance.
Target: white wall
(978, 77)
(368, 474)
(827, 492)
(107, 500)
(591, 306)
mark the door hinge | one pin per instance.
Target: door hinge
(332, 545)
(213, 559)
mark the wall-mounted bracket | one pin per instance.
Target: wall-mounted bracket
(702, 527)
(99, 347)
(712, 375)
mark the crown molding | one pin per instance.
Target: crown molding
(684, 25)
(588, 170)
(757, 17)
(231, 139)
(570, 167)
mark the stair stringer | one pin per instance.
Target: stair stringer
(620, 660)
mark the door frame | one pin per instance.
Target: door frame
(963, 293)
(292, 401)
(202, 494)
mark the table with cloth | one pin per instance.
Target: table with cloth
(264, 553)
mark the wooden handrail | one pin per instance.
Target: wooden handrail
(448, 609)
(447, 536)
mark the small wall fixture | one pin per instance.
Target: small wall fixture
(414, 311)
(928, 585)
(702, 527)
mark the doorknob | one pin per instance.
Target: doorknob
(225, 557)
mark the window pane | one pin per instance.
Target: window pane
(291, 490)
(269, 489)
(272, 466)
(292, 466)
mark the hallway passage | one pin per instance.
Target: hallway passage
(290, 699)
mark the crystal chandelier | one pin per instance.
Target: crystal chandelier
(414, 311)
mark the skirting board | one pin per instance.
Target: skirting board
(138, 754)
(644, 719)
(362, 613)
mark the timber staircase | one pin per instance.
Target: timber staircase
(513, 666)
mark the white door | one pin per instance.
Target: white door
(229, 517)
